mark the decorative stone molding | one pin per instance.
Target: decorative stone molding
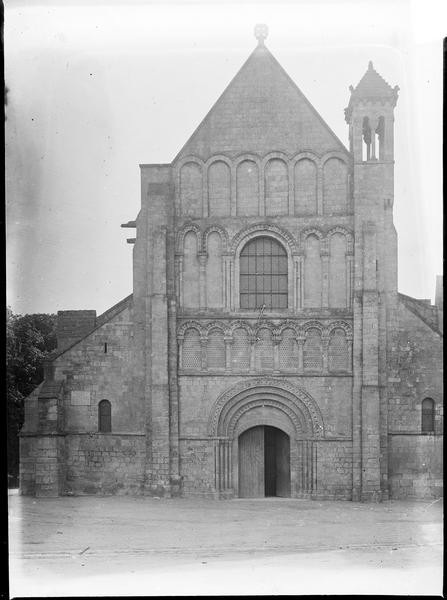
(340, 325)
(218, 158)
(248, 156)
(287, 397)
(182, 233)
(305, 155)
(313, 325)
(188, 159)
(262, 229)
(240, 324)
(215, 325)
(293, 416)
(288, 325)
(336, 154)
(347, 233)
(215, 229)
(275, 155)
(189, 325)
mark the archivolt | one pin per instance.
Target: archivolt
(181, 236)
(263, 228)
(295, 402)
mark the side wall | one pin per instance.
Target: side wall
(102, 366)
(415, 372)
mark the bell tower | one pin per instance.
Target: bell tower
(370, 115)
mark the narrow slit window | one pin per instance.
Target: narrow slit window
(104, 416)
(105, 347)
(366, 140)
(428, 415)
(380, 132)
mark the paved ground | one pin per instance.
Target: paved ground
(88, 546)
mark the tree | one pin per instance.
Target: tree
(29, 339)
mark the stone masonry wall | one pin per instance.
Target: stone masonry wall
(73, 457)
(334, 456)
(197, 468)
(104, 464)
(334, 470)
(416, 466)
(94, 372)
(415, 372)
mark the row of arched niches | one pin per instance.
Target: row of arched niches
(306, 184)
(311, 347)
(319, 266)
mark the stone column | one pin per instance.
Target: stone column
(297, 282)
(291, 189)
(349, 279)
(233, 198)
(349, 342)
(202, 279)
(252, 340)
(276, 338)
(180, 339)
(204, 191)
(300, 339)
(203, 347)
(324, 253)
(261, 191)
(228, 342)
(301, 282)
(320, 190)
(325, 349)
(179, 278)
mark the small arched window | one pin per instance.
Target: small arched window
(263, 274)
(104, 416)
(428, 415)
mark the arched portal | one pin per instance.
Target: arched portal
(245, 420)
(264, 462)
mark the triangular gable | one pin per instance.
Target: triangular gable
(261, 110)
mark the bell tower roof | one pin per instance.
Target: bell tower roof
(371, 87)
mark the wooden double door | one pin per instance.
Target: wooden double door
(264, 462)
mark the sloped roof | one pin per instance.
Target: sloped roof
(261, 110)
(424, 310)
(372, 86)
(101, 320)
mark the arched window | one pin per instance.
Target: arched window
(313, 352)
(288, 351)
(240, 350)
(216, 350)
(338, 351)
(192, 350)
(265, 350)
(104, 416)
(428, 415)
(263, 274)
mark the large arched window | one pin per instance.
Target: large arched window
(104, 417)
(428, 415)
(263, 274)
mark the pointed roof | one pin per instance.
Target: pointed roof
(260, 111)
(371, 86)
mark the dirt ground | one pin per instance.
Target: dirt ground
(121, 546)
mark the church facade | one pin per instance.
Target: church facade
(265, 349)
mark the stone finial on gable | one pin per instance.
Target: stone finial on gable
(261, 33)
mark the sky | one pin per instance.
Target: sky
(97, 88)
